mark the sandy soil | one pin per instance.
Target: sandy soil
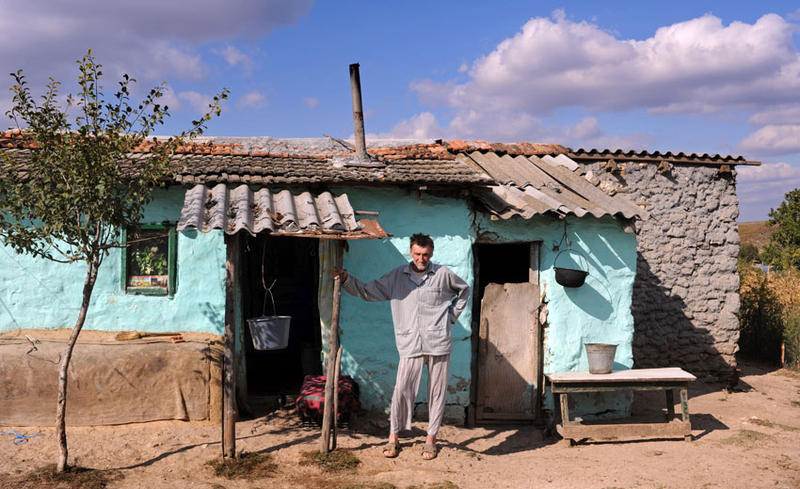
(744, 439)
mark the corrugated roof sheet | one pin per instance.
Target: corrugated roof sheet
(398, 149)
(530, 178)
(282, 213)
(530, 185)
(657, 157)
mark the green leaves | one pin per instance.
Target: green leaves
(783, 250)
(64, 197)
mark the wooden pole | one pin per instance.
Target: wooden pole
(335, 416)
(333, 347)
(229, 363)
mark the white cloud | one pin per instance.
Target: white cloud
(149, 39)
(170, 99)
(763, 187)
(179, 62)
(253, 100)
(586, 128)
(782, 114)
(768, 172)
(773, 140)
(234, 57)
(311, 102)
(420, 126)
(198, 101)
(555, 63)
(699, 66)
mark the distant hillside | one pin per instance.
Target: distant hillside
(756, 233)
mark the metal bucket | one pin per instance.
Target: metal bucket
(601, 357)
(270, 332)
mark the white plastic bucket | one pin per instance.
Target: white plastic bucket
(270, 332)
(601, 357)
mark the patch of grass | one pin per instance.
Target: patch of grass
(374, 485)
(247, 466)
(787, 372)
(335, 461)
(438, 485)
(746, 438)
(762, 422)
(795, 403)
(73, 478)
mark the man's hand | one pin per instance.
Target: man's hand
(340, 274)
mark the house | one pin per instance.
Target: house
(656, 233)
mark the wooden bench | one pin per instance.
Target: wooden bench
(563, 384)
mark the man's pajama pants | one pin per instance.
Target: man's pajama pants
(409, 373)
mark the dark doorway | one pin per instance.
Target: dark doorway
(506, 263)
(291, 267)
(506, 335)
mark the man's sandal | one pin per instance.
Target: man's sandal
(429, 451)
(391, 450)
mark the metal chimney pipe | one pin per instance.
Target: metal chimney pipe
(358, 114)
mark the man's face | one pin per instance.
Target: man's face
(421, 256)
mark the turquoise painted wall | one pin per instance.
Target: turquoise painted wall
(597, 312)
(37, 293)
(369, 352)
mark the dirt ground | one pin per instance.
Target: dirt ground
(744, 439)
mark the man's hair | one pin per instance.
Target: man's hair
(422, 240)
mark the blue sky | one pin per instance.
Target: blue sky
(717, 77)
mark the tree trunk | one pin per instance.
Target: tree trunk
(63, 367)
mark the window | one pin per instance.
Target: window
(148, 263)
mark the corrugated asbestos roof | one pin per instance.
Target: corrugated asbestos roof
(281, 213)
(522, 179)
(530, 185)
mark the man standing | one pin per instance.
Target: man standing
(426, 299)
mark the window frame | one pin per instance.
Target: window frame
(172, 259)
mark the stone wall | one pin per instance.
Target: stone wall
(685, 296)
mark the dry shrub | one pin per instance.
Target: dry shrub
(760, 316)
(786, 287)
(72, 478)
(335, 461)
(438, 485)
(246, 466)
(770, 314)
(747, 439)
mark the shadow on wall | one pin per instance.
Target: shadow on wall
(596, 293)
(665, 336)
(14, 323)
(214, 315)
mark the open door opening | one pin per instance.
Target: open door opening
(290, 266)
(507, 340)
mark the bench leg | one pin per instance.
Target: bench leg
(685, 404)
(685, 409)
(564, 398)
(564, 409)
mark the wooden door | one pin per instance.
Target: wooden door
(508, 352)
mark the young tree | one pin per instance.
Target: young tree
(73, 185)
(783, 250)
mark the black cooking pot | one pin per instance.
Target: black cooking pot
(570, 277)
